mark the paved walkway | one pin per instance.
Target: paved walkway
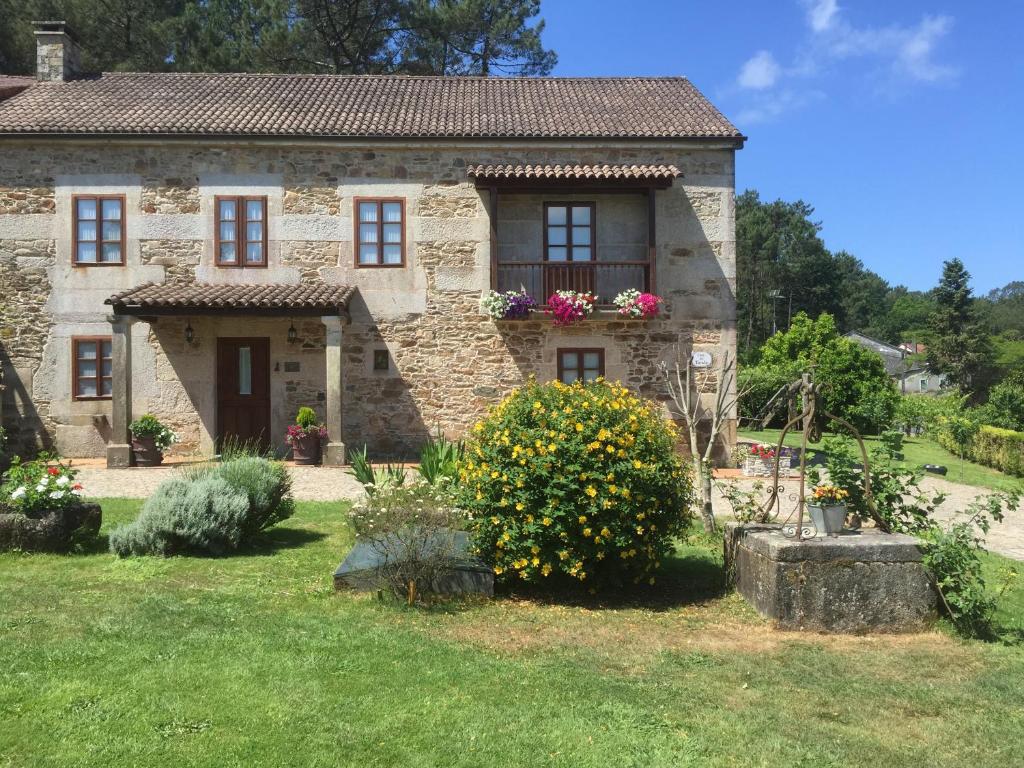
(332, 484)
(308, 483)
(1006, 538)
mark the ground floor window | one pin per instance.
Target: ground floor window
(92, 370)
(580, 364)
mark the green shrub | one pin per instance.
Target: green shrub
(373, 478)
(439, 459)
(186, 514)
(578, 480)
(1002, 449)
(306, 417)
(202, 515)
(1005, 406)
(892, 443)
(266, 484)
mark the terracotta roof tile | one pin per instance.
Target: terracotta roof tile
(643, 172)
(306, 298)
(367, 106)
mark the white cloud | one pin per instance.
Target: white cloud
(759, 72)
(915, 55)
(899, 54)
(821, 13)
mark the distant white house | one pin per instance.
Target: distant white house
(910, 375)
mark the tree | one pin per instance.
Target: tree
(475, 37)
(855, 385)
(690, 392)
(961, 346)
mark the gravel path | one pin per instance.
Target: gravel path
(333, 484)
(1006, 538)
(308, 483)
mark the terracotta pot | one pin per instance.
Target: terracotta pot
(145, 452)
(306, 449)
(828, 519)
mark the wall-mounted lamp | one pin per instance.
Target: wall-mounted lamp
(190, 335)
(292, 334)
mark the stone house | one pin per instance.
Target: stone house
(221, 249)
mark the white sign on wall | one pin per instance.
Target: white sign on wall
(700, 359)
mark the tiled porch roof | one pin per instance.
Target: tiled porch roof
(574, 172)
(206, 298)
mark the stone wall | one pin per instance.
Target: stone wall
(447, 361)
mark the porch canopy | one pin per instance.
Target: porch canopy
(150, 301)
(308, 299)
(540, 276)
(574, 176)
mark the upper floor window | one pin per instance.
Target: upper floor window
(380, 232)
(569, 231)
(241, 231)
(92, 370)
(98, 230)
(580, 365)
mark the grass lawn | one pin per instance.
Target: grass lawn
(917, 451)
(253, 660)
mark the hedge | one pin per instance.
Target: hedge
(1001, 449)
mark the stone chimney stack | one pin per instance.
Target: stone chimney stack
(57, 54)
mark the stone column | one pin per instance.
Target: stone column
(334, 455)
(119, 449)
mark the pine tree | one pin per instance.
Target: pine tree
(961, 346)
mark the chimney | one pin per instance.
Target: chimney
(57, 55)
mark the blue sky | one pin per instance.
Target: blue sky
(898, 121)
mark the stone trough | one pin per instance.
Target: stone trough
(861, 581)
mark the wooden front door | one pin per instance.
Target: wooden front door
(243, 391)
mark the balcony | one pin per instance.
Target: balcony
(604, 279)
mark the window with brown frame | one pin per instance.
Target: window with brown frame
(241, 231)
(569, 231)
(380, 232)
(98, 229)
(580, 365)
(92, 367)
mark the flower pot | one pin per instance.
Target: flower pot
(306, 449)
(145, 452)
(828, 519)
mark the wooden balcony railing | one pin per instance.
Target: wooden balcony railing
(605, 279)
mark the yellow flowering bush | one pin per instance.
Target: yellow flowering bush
(579, 480)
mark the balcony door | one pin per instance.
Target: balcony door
(569, 247)
(243, 391)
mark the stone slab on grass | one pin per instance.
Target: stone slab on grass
(361, 570)
(859, 582)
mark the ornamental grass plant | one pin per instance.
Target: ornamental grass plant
(576, 481)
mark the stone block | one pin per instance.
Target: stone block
(859, 582)
(54, 532)
(362, 570)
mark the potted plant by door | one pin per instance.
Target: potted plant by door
(827, 507)
(150, 439)
(305, 437)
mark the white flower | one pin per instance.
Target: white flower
(63, 480)
(76, 491)
(41, 488)
(18, 492)
(56, 494)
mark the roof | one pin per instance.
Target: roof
(208, 298)
(575, 172)
(378, 106)
(13, 84)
